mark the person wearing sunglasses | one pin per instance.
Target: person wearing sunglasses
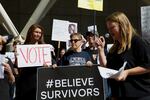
(75, 55)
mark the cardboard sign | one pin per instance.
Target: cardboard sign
(34, 55)
(69, 83)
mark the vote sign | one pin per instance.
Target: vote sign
(34, 55)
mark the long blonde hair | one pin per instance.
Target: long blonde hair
(126, 31)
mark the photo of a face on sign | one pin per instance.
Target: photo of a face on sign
(72, 28)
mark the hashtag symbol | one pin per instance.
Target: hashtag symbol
(49, 83)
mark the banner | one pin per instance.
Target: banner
(91, 4)
(69, 83)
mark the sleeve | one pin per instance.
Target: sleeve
(142, 54)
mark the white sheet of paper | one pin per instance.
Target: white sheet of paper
(2, 57)
(111, 73)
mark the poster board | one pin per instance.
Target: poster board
(62, 29)
(91, 4)
(69, 83)
(34, 55)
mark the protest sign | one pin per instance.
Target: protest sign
(91, 4)
(62, 29)
(69, 83)
(2, 57)
(34, 55)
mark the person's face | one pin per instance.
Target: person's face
(91, 39)
(62, 52)
(113, 28)
(37, 33)
(76, 42)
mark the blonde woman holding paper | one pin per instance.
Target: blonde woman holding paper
(134, 82)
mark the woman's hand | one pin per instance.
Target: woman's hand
(100, 42)
(47, 66)
(122, 76)
(89, 63)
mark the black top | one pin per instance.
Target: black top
(26, 83)
(136, 85)
(93, 52)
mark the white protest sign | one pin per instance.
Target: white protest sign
(2, 57)
(110, 73)
(92, 28)
(34, 55)
(62, 29)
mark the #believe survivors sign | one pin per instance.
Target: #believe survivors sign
(69, 83)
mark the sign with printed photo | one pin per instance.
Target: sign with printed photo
(62, 29)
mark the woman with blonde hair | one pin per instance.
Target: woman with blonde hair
(134, 82)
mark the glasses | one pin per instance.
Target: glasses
(75, 40)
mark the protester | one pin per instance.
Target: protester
(92, 48)
(9, 79)
(62, 52)
(75, 55)
(134, 82)
(26, 85)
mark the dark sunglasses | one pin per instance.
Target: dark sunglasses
(75, 40)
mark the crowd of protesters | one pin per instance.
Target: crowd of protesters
(132, 84)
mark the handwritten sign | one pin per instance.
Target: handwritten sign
(69, 83)
(34, 55)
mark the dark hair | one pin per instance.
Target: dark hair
(29, 37)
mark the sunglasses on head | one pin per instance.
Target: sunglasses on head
(75, 40)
